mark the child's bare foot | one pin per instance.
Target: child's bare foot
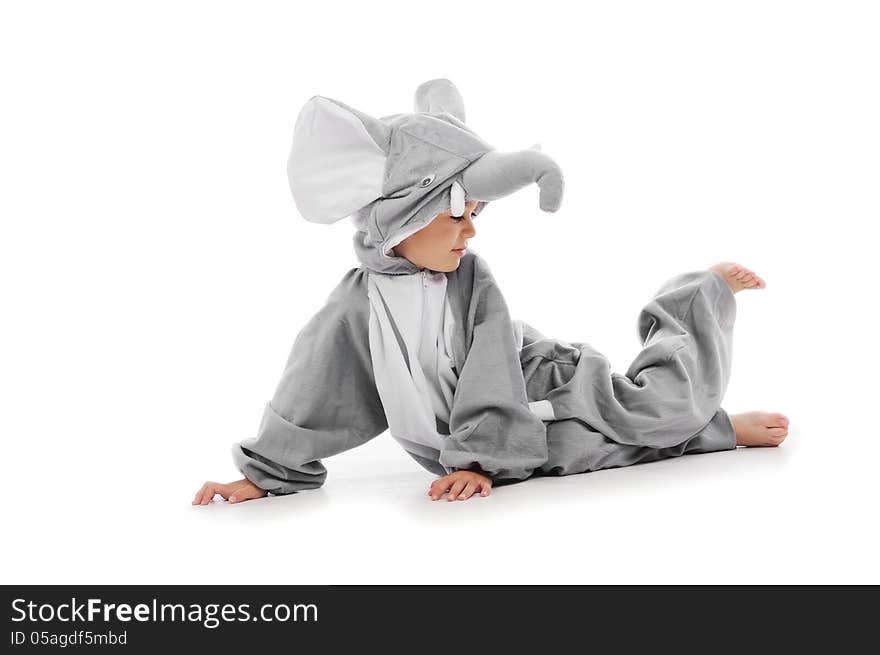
(738, 277)
(760, 428)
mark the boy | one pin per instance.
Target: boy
(418, 339)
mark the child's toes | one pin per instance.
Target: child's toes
(778, 420)
(778, 432)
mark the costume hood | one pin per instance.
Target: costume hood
(394, 174)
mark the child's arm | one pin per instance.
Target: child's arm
(493, 431)
(326, 401)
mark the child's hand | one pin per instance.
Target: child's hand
(234, 492)
(461, 485)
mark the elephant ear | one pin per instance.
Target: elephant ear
(337, 160)
(438, 96)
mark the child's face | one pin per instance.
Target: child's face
(434, 246)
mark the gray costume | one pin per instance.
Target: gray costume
(393, 176)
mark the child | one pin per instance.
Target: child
(418, 339)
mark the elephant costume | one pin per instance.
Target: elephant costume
(435, 356)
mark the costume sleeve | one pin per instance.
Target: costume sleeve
(492, 429)
(326, 401)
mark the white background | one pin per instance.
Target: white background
(155, 273)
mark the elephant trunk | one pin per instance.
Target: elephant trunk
(498, 174)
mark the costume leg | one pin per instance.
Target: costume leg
(575, 447)
(673, 388)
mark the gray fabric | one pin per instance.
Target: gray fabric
(496, 173)
(575, 447)
(440, 96)
(491, 426)
(667, 404)
(326, 401)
